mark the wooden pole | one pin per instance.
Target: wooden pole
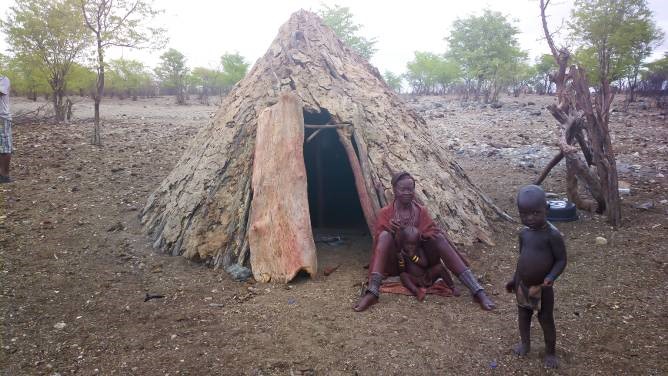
(365, 200)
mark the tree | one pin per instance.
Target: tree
(340, 19)
(234, 69)
(128, 77)
(582, 122)
(654, 80)
(27, 77)
(544, 67)
(80, 80)
(429, 73)
(120, 23)
(393, 80)
(614, 37)
(484, 46)
(51, 35)
(172, 72)
(205, 80)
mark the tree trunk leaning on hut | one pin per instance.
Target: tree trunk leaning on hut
(280, 236)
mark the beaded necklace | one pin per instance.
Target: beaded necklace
(405, 220)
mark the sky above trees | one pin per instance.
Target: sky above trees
(204, 29)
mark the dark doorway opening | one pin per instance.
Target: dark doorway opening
(332, 196)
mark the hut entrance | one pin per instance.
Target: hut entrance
(332, 196)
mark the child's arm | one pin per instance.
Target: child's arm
(559, 253)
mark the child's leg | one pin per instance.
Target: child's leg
(410, 283)
(438, 271)
(524, 321)
(546, 319)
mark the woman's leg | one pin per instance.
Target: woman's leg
(381, 255)
(441, 247)
(439, 271)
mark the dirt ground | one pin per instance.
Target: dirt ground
(76, 264)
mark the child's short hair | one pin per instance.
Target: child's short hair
(408, 231)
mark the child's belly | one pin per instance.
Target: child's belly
(533, 267)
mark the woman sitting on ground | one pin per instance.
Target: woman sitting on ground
(403, 212)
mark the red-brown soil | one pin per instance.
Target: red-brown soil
(76, 264)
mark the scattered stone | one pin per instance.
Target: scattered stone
(535, 113)
(60, 326)
(551, 195)
(118, 226)
(660, 175)
(238, 273)
(645, 205)
(496, 105)
(530, 103)
(601, 240)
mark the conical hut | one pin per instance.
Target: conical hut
(268, 166)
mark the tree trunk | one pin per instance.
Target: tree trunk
(99, 92)
(574, 101)
(280, 236)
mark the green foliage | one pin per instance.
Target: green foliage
(128, 77)
(80, 79)
(429, 73)
(655, 74)
(340, 20)
(394, 81)
(172, 72)
(27, 77)
(234, 69)
(544, 66)
(613, 36)
(49, 34)
(485, 46)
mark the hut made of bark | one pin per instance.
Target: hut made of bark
(268, 166)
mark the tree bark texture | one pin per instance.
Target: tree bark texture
(201, 209)
(593, 135)
(280, 236)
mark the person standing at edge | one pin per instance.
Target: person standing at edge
(5, 131)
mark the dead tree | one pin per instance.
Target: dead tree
(586, 125)
(205, 208)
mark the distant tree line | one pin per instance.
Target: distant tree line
(127, 78)
(483, 59)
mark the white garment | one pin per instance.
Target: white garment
(4, 98)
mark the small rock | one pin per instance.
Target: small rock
(60, 326)
(645, 205)
(535, 113)
(660, 175)
(601, 240)
(496, 105)
(238, 273)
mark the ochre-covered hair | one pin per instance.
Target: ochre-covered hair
(401, 176)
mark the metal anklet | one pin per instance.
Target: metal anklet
(469, 280)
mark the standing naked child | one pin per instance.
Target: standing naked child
(542, 259)
(416, 274)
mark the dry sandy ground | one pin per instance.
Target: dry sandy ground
(76, 264)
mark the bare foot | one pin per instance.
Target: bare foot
(421, 294)
(365, 302)
(551, 361)
(521, 349)
(485, 302)
(455, 291)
